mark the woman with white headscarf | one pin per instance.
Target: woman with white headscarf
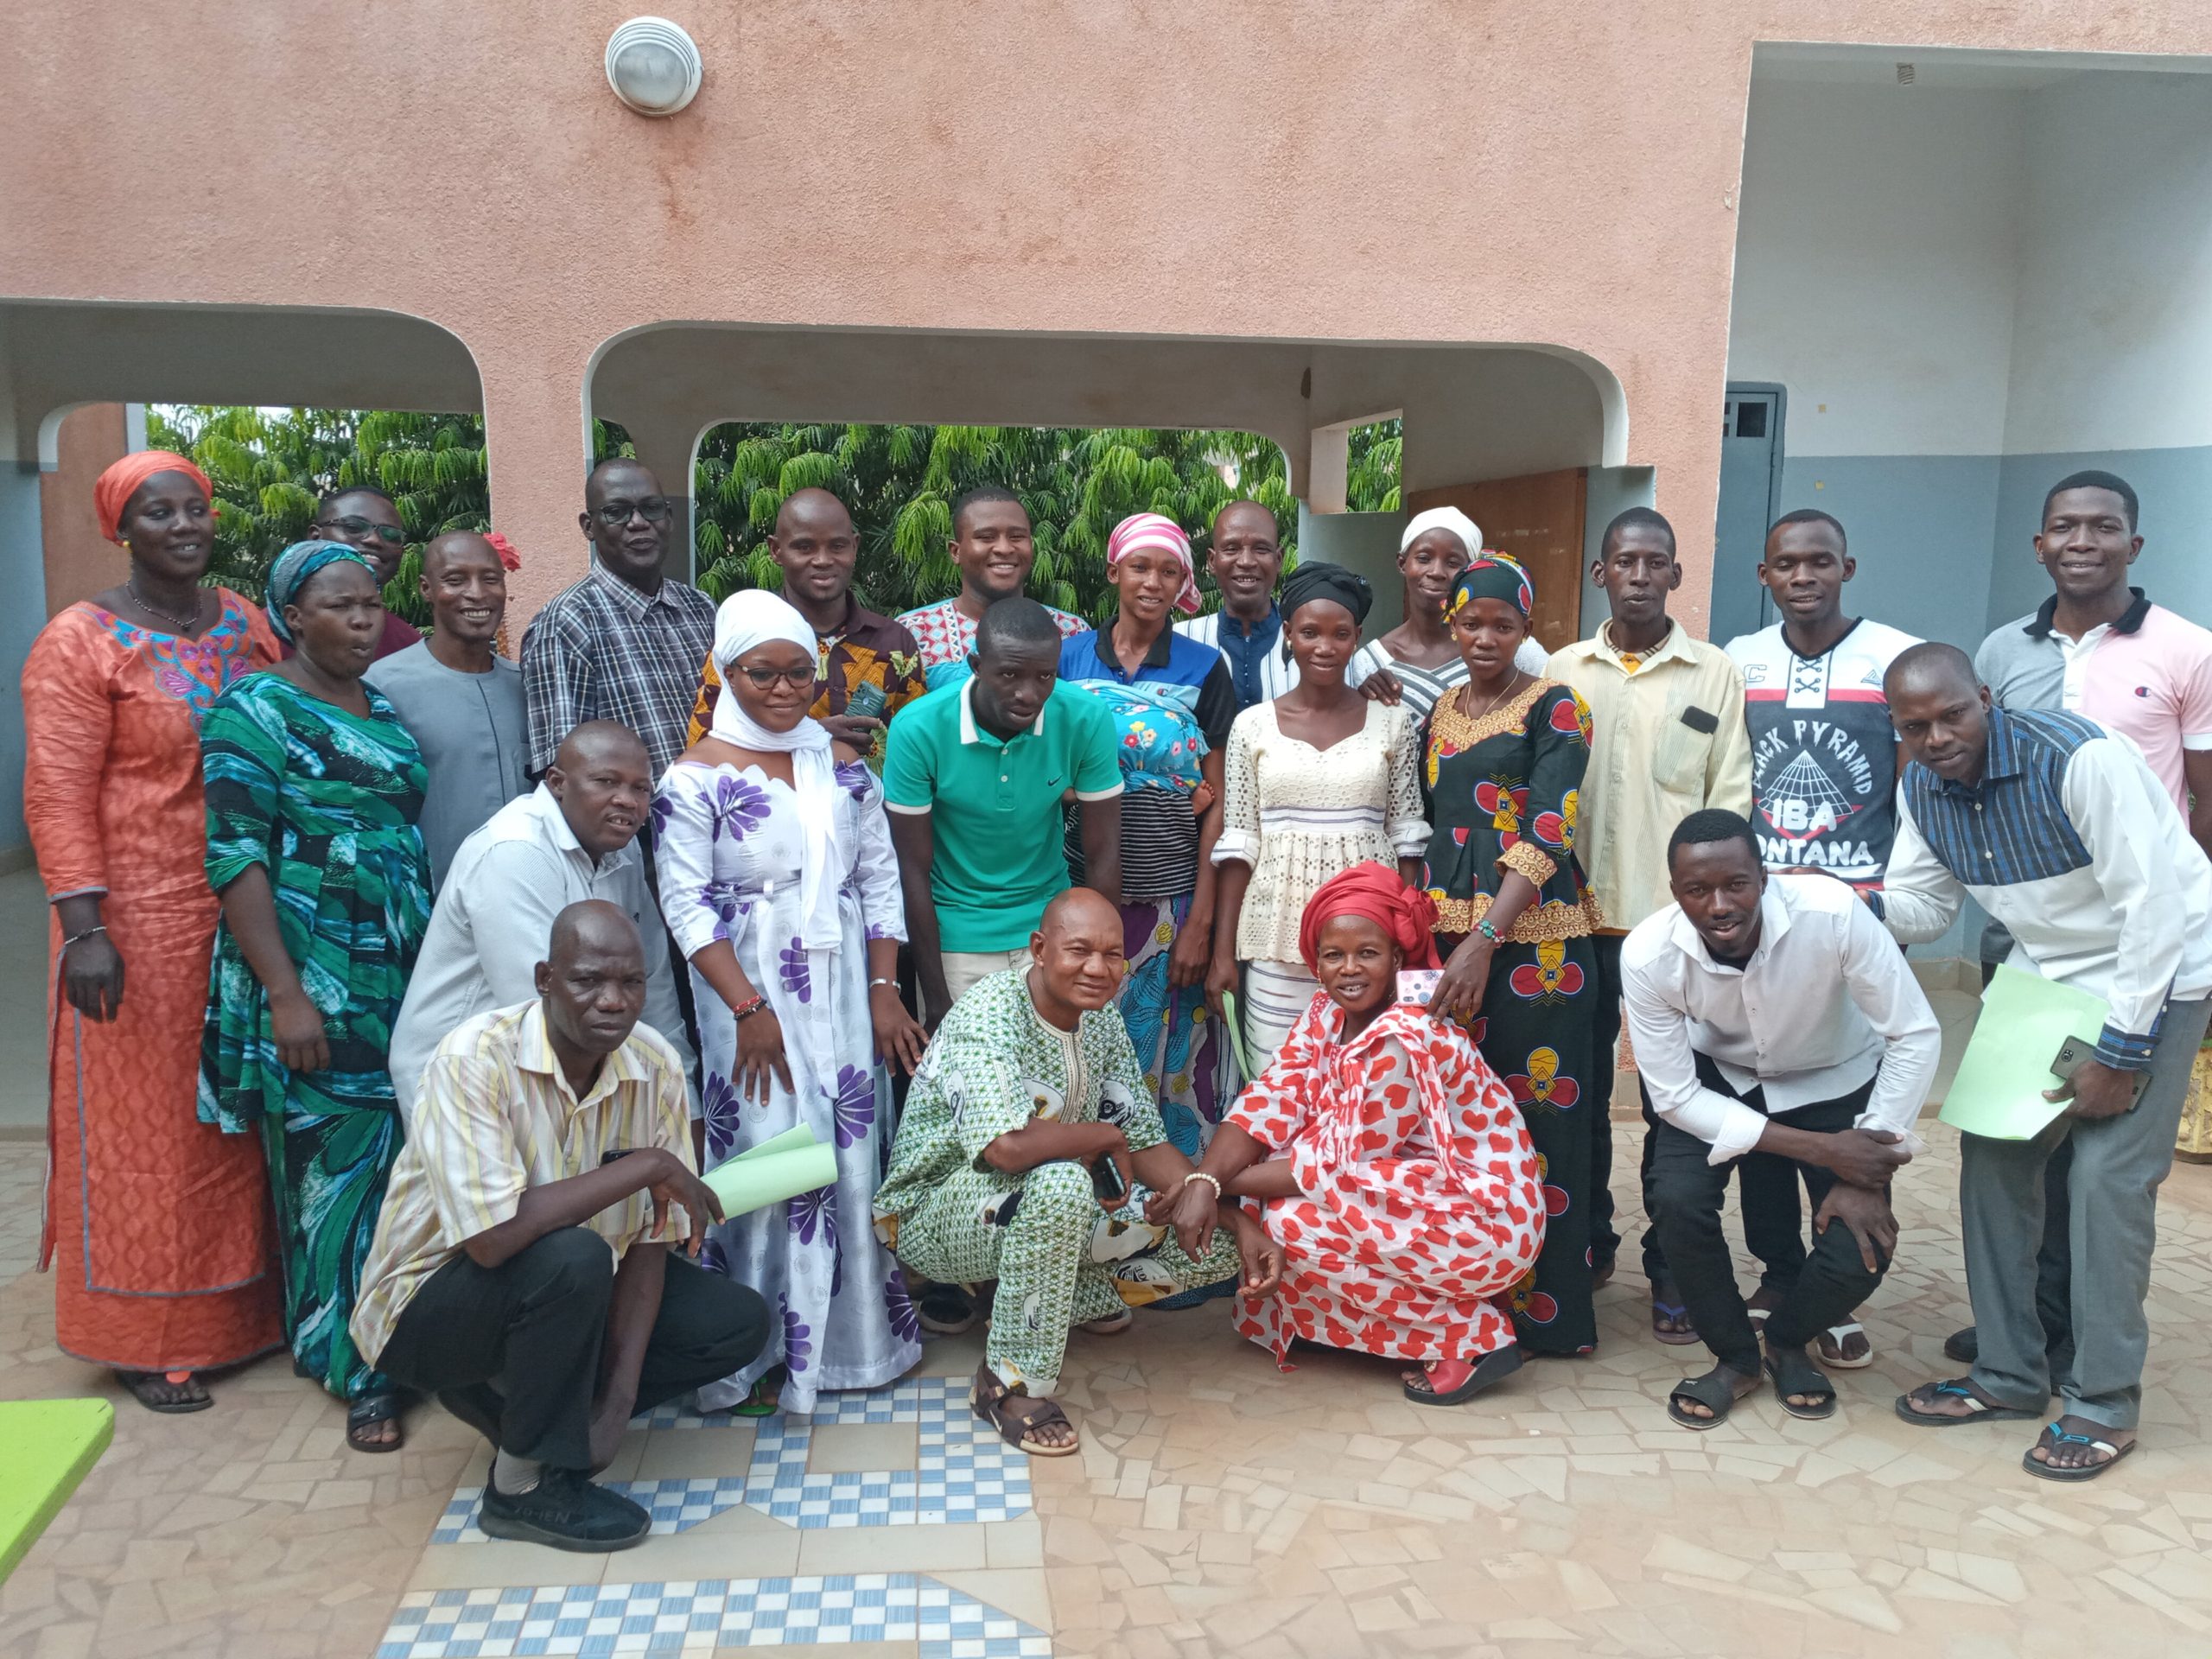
(1420, 654)
(780, 885)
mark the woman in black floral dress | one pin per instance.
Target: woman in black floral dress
(1504, 759)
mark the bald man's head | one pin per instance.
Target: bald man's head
(815, 546)
(1941, 711)
(466, 587)
(1080, 952)
(603, 780)
(593, 979)
(1245, 557)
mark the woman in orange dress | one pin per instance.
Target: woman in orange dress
(159, 1225)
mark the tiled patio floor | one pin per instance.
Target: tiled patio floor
(1219, 1507)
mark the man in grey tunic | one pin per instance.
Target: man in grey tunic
(461, 700)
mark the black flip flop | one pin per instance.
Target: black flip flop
(139, 1382)
(1795, 1373)
(1493, 1367)
(2066, 1437)
(366, 1413)
(1714, 1391)
(1676, 1313)
(1979, 1409)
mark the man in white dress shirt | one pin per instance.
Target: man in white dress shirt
(572, 838)
(1772, 1019)
(2060, 830)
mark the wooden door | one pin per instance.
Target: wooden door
(1537, 519)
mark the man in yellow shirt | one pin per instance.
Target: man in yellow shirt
(523, 1269)
(1667, 738)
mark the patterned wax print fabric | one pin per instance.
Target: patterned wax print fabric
(1185, 1050)
(326, 803)
(946, 635)
(730, 844)
(995, 1067)
(1421, 1206)
(1504, 793)
(866, 649)
(156, 1225)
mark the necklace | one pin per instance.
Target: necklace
(1512, 681)
(184, 623)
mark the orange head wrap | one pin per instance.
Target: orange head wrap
(1374, 892)
(120, 482)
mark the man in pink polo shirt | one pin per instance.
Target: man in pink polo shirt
(2098, 647)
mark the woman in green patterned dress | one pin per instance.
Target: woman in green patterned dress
(312, 790)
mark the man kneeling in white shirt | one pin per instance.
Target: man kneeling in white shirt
(1773, 1017)
(573, 837)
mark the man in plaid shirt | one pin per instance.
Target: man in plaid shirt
(626, 643)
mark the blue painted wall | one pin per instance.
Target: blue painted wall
(23, 571)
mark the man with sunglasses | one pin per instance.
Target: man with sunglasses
(626, 643)
(365, 519)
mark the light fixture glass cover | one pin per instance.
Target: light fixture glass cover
(653, 65)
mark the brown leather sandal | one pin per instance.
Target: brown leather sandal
(1016, 1428)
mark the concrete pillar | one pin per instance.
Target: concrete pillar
(1329, 468)
(538, 450)
(78, 560)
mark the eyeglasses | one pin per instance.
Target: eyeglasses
(798, 678)
(353, 526)
(616, 514)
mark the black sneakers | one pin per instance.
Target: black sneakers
(565, 1510)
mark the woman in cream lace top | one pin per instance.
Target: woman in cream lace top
(1316, 781)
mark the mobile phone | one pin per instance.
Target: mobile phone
(865, 703)
(1106, 1181)
(2075, 1052)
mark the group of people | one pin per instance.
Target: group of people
(403, 993)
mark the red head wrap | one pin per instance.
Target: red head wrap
(1373, 891)
(120, 482)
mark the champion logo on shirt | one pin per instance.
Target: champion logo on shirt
(2142, 691)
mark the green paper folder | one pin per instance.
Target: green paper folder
(790, 1164)
(2025, 1018)
(47, 1447)
(1236, 1037)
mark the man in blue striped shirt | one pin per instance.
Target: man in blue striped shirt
(2061, 832)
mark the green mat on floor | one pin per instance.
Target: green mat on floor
(47, 1447)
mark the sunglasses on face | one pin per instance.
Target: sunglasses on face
(798, 678)
(616, 514)
(352, 526)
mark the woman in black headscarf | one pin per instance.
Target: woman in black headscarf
(1316, 781)
(1505, 755)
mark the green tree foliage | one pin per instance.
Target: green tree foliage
(270, 465)
(900, 482)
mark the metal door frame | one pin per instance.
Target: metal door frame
(1778, 435)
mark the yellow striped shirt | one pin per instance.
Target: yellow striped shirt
(496, 1116)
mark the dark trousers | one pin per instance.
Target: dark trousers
(514, 1351)
(1685, 1193)
(1605, 1237)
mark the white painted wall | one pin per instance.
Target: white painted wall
(1876, 263)
(2112, 339)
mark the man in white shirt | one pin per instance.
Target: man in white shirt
(572, 838)
(1772, 1019)
(2060, 830)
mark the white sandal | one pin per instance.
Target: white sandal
(1837, 1362)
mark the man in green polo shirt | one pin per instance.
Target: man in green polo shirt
(974, 776)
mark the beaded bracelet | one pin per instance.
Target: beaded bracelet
(73, 937)
(747, 1010)
(1484, 928)
(1202, 1175)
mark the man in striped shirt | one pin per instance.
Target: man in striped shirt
(2060, 830)
(523, 1270)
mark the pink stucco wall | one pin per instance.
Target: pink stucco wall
(1392, 170)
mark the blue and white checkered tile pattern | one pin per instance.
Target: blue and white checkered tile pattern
(967, 1474)
(677, 1617)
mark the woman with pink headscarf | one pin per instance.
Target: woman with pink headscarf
(1173, 701)
(158, 1226)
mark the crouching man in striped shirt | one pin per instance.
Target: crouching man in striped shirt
(522, 1268)
(2061, 831)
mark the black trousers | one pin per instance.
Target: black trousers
(514, 1351)
(1685, 1193)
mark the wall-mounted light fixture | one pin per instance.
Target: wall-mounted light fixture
(653, 65)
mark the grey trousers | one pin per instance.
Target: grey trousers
(2112, 1207)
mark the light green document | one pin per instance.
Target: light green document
(1235, 1024)
(2025, 1019)
(779, 1168)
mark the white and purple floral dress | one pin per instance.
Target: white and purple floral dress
(730, 845)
